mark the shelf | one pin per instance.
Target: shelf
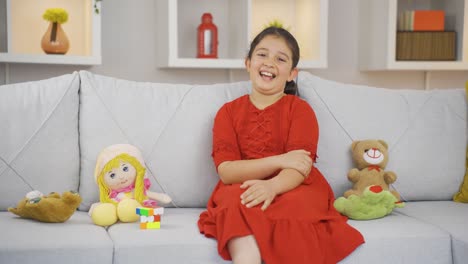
(238, 22)
(50, 59)
(207, 63)
(24, 28)
(378, 30)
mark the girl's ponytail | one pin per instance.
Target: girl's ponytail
(291, 88)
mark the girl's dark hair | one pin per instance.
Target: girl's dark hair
(291, 87)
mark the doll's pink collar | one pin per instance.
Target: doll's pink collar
(129, 188)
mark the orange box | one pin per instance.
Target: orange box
(429, 20)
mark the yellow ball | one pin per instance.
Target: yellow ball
(104, 214)
(126, 210)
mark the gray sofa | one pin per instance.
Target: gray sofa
(52, 131)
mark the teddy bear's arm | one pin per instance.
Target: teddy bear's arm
(390, 177)
(353, 175)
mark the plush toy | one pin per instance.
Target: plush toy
(52, 208)
(374, 202)
(370, 197)
(120, 174)
(370, 157)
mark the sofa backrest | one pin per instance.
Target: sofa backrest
(426, 132)
(52, 131)
(38, 138)
(170, 123)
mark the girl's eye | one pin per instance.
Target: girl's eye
(261, 54)
(282, 59)
(112, 175)
(125, 168)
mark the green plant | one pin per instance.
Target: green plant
(96, 8)
(56, 15)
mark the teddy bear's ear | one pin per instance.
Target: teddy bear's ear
(354, 144)
(383, 143)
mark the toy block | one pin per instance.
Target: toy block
(146, 211)
(150, 218)
(153, 225)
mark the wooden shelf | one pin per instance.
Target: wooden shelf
(25, 28)
(378, 30)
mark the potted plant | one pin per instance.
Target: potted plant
(55, 41)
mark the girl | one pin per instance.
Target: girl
(271, 203)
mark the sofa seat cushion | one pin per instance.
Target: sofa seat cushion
(398, 238)
(177, 241)
(449, 216)
(77, 240)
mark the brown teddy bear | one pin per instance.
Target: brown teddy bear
(370, 157)
(51, 208)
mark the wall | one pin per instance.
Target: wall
(130, 39)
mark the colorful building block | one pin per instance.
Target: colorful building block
(150, 218)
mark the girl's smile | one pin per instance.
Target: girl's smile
(270, 66)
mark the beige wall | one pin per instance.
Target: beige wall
(130, 39)
(28, 26)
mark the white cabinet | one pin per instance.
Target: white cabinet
(378, 31)
(238, 21)
(23, 28)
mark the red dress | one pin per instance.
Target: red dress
(300, 226)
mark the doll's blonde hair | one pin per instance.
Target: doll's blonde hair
(138, 192)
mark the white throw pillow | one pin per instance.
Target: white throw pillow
(39, 138)
(171, 124)
(425, 131)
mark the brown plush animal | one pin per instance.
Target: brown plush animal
(370, 157)
(52, 208)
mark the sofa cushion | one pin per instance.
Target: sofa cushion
(398, 238)
(39, 142)
(448, 216)
(77, 240)
(170, 123)
(178, 240)
(425, 131)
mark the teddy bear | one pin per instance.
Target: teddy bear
(120, 174)
(374, 202)
(51, 208)
(371, 158)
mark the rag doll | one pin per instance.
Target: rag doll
(120, 174)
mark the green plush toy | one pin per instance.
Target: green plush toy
(375, 202)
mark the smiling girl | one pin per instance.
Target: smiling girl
(271, 203)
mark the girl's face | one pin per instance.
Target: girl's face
(270, 66)
(120, 177)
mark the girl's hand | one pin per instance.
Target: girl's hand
(298, 160)
(258, 191)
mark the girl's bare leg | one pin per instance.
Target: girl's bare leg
(244, 250)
